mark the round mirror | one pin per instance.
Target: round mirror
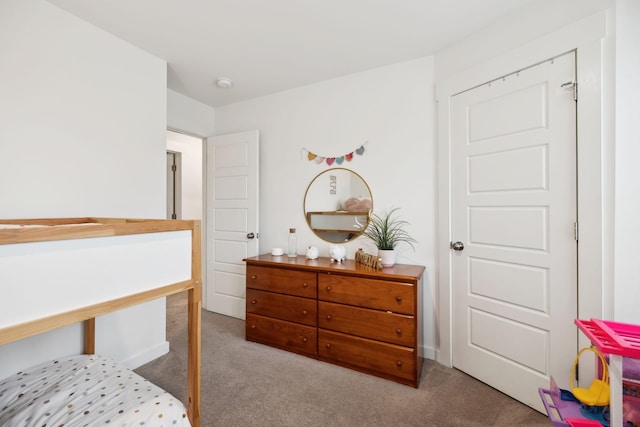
(337, 205)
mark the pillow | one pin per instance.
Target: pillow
(357, 204)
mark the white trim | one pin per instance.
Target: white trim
(151, 353)
(595, 153)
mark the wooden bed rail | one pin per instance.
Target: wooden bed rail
(49, 323)
(40, 230)
(194, 352)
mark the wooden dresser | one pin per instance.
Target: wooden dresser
(342, 313)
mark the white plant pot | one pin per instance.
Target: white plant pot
(388, 257)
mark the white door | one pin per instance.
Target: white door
(232, 218)
(513, 177)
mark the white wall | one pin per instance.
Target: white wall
(83, 134)
(393, 109)
(522, 26)
(189, 116)
(627, 196)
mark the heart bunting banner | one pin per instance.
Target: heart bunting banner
(330, 160)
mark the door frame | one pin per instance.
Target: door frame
(594, 56)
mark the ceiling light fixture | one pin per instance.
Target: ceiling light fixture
(224, 83)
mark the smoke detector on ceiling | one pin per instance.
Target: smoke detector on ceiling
(224, 83)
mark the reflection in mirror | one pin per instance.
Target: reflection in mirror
(337, 205)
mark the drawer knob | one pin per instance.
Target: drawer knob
(399, 298)
(305, 312)
(254, 277)
(399, 331)
(305, 284)
(328, 317)
(328, 288)
(253, 326)
(305, 339)
(328, 345)
(253, 301)
(399, 363)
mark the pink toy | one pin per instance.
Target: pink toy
(618, 340)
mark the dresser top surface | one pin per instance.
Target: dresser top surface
(397, 272)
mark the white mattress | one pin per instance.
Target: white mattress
(86, 390)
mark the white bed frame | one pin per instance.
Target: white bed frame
(94, 266)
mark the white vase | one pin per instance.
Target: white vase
(388, 257)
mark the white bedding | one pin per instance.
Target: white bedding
(86, 390)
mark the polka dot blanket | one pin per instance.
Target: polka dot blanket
(86, 390)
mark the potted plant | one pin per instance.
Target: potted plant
(387, 231)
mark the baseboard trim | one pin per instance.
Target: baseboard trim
(147, 355)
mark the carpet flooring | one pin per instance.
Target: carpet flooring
(248, 384)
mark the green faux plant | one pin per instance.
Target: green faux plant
(387, 231)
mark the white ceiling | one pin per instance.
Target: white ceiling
(266, 46)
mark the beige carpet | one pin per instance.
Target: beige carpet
(248, 384)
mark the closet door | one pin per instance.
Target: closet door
(514, 251)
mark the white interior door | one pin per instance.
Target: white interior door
(513, 177)
(232, 218)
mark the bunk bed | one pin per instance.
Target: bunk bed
(57, 272)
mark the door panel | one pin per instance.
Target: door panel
(232, 215)
(232, 220)
(229, 188)
(508, 113)
(527, 226)
(529, 289)
(488, 332)
(519, 169)
(513, 176)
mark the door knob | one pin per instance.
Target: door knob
(251, 236)
(457, 246)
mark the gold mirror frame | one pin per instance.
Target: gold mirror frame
(337, 205)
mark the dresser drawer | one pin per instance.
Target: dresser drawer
(279, 333)
(282, 280)
(375, 324)
(389, 359)
(284, 307)
(397, 297)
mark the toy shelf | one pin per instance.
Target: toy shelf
(612, 337)
(618, 340)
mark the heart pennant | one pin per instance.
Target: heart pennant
(335, 159)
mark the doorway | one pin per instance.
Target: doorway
(187, 152)
(189, 182)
